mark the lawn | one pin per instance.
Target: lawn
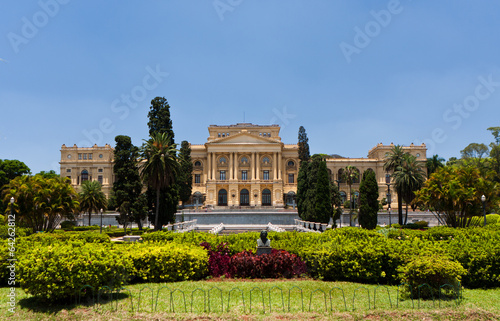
(228, 299)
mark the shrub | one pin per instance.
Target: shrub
(168, 262)
(68, 225)
(492, 219)
(60, 271)
(434, 271)
(277, 264)
(218, 259)
(52, 238)
(422, 224)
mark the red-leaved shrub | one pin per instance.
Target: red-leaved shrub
(218, 260)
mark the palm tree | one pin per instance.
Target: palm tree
(393, 160)
(409, 178)
(159, 166)
(350, 175)
(433, 164)
(92, 198)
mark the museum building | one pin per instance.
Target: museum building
(241, 165)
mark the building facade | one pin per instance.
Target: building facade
(241, 165)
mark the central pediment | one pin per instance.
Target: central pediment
(244, 138)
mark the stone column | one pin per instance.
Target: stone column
(257, 161)
(231, 162)
(213, 166)
(280, 160)
(252, 167)
(209, 168)
(275, 168)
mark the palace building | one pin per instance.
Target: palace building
(242, 165)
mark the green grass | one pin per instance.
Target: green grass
(258, 300)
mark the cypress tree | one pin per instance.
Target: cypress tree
(303, 145)
(322, 200)
(368, 199)
(127, 186)
(160, 122)
(185, 173)
(302, 187)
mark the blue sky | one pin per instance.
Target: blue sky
(353, 73)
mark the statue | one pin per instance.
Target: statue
(263, 244)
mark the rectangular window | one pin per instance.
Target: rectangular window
(99, 170)
(68, 170)
(84, 156)
(90, 156)
(266, 175)
(290, 179)
(99, 179)
(244, 175)
(197, 178)
(222, 175)
(79, 156)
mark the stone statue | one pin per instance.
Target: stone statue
(263, 241)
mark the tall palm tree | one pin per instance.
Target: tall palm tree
(433, 164)
(92, 198)
(393, 160)
(350, 175)
(409, 178)
(159, 167)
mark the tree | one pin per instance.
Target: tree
(495, 151)
(49, 174)
(303, 145)
(452, 161)
(474, 150)
(127, 187)
(160, 122)
(349, 176)
(323, 209)
(393, 160)
(185, 181)
(409, 178)
(453, 194)
(302, 188)
(41, 203)
(433, 164)
(10, 169)
(159, 168)
(368, 200)
(92, 199)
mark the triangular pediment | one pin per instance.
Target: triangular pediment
(244, 138)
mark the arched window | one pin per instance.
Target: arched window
(291, 163)
(222, 198)
(343, 196)
(244, 197)
(266, 197)
(244, 160)
(340, 175)
(85, 175)
(356, 180)
(197, 163)
(290, 199)
(222, 160)
(265, 160)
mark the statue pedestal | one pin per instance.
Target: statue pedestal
(264, 250)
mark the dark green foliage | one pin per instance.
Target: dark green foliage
(323, 209)
(10, 169)
(127, 186)
(304, 154)
(368, 200)
(49, 174)
(302, 188)
(160, 123)
(159, 118)
(185, 180)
